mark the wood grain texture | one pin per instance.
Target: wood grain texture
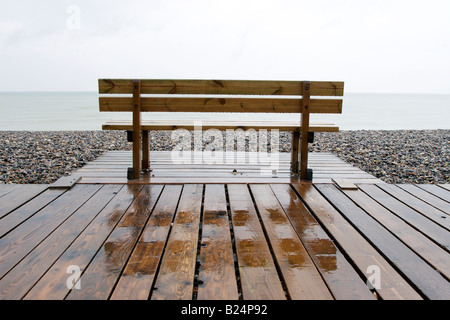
(136, 281)
(18, 196)
(27, 210)
(306, 109)
(52, 285)
(427, 197)
(19, 242)
(28, 271)
(436, 232)
(258, 275)
(417, 204)
(241, 87)
(137, 139)
(339, 275)
(249, 105)
(99, 278)
(219, 125)
(437, 191)
(357, 248)
(175, 280)
(412, 237)
(427, 281)
(299, 273)
(216, 273)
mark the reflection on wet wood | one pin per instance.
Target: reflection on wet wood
(258, 274)
(356, 246)
(217, 278)
(302, 279)
(343, 281)
(102, 273)
(136, 280)
(19, 242)
(52, 286)
(175, 279)
(26, 273)
(215, 241)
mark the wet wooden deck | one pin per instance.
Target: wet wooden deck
(225, 241)
(232, 167)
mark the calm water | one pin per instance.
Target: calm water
(79, 111)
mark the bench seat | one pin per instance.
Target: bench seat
(172, 124)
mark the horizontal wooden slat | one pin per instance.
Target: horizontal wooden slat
(115, 104)
(241, 87)
(220, 125)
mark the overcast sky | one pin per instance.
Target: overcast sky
(374, 46)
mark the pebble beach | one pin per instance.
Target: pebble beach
(394, 156)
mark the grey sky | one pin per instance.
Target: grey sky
(374, 46)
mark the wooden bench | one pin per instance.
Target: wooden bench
(232, 96)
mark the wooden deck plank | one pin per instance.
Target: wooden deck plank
(437, 191)
(216, 273)
(250, 168)
(417, 204)
(445, 186)
(414, 239)
(27, 210)
(340, 277)
(343, 183)
(99, 278)
(99, 229)
(355, 246)
(175, 280)
(52, 285)
(136, 281)
(18, 243)
(425, 278)
(7, 188)
(427, 197)
(28, 271)
(411, 216)
(258, 274)
(300, 275)
(66, 181)
(18, 196)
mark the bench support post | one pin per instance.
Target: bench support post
(145, 151)
(136, 129)
(294, 151)
(305, 174)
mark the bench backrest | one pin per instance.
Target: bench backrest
(205, 96)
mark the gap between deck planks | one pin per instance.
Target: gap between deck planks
(217, 241)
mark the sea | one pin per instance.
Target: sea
(56, 111)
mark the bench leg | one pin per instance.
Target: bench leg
(294, 152)
(136, 155)
(305, 173)
(145, 151)
(137, 142)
